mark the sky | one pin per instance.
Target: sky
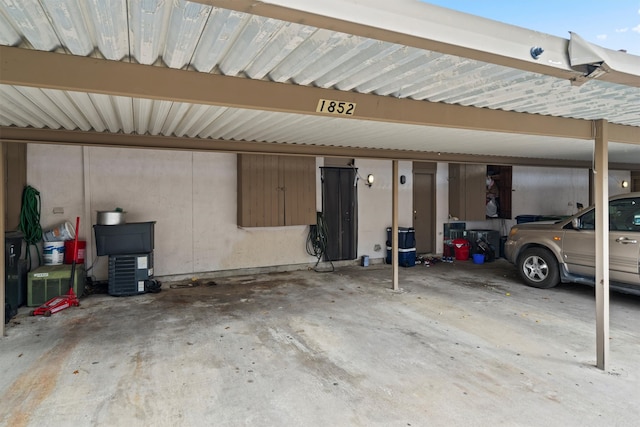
(614, 24)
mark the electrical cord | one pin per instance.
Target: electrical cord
(30, 221)
(317, 242)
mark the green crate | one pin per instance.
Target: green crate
(50, 281)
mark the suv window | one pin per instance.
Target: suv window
(624, 215)
(588, 220)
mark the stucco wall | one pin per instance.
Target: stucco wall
(535, 191)
(556, 191)
(192, 198)
(442, 206)
(375, 204)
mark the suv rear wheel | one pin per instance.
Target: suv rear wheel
(538, 268)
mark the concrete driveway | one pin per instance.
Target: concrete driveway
(460, 345)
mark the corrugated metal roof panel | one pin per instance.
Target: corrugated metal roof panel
(8, 36)
(47, 108)
(70, 25)
(76, 110)
(216, 39)
(186, 21)
(109, 25)
(31, 21)
(182, 34)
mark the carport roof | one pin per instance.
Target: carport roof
(428, 83)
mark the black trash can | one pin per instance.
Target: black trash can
(15, 269)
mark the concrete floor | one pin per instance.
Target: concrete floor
(460, 345)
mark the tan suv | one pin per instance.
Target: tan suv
(547, 253)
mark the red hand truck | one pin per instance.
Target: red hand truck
(70, 298)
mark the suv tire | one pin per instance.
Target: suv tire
(539, 268)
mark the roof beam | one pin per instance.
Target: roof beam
(104, 139)
(22, 67)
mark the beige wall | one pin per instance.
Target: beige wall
(536, 191)
(192, 198)
(375, 204)
(556, 191)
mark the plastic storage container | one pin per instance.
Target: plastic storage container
(406, 257)
(68, 251)
(406, 237)
(52, 253)
(551, 217)
(461, 249)
(478, 258)
(364, 261)
(123, 239)
(520, 219)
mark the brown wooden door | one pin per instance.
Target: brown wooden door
(275, 191)
(467, 191)
(635, 180)
(15, 179)
(424, 192)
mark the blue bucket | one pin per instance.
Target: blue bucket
(478, 258)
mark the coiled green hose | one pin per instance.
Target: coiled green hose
(30, 221)
(317, 242)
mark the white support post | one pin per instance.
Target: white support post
(88, 219)
(3, 189)
(394, 227)
(602, 244)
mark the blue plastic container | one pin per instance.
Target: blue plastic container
(521, 219)
(406, 237)
(406, 257)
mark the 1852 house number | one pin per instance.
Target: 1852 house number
(336, 107)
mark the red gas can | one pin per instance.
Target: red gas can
(68, 251)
